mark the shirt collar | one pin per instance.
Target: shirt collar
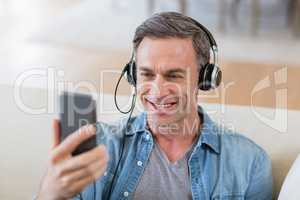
(207, 135)
(137, 124)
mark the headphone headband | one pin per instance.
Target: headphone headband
(210, 37)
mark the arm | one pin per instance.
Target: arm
(67, 175)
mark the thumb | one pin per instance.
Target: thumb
(56, 133)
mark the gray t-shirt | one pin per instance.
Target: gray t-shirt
(163, 179)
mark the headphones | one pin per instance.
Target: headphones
(210, 75)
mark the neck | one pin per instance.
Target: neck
(177, 137)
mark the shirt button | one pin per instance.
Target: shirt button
(105, 173)
(139, 163)
(126, 194)
(147, 137)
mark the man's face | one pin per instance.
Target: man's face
(167, 77)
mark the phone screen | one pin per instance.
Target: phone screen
(77, 110)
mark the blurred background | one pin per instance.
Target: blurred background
(46, 45)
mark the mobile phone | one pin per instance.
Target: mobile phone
(77, 110)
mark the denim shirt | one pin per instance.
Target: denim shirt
(222, 165)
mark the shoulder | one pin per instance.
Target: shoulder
(238, 142)
(235, 145)
(229, 141)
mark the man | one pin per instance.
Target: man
(173, 150)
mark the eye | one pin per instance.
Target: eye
(146, 74)
(175, 76)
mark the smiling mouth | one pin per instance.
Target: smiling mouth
(162, 107)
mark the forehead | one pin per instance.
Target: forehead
(166, 53)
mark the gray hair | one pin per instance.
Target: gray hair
(173, 24)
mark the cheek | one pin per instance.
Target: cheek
(182, 89)
(191, 87)
(143, 90)
(178, 90)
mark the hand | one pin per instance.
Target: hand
(66, 176)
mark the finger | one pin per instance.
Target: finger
(78, 185)
(85, 159)
(73, 140)
(56, 133)
(93, 169)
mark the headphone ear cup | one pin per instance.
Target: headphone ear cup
(133, 73)
(205, 77)
(217, 77)
(126, 71)
(130, 69)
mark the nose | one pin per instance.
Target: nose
(159, 87)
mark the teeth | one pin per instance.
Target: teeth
(163, 105)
